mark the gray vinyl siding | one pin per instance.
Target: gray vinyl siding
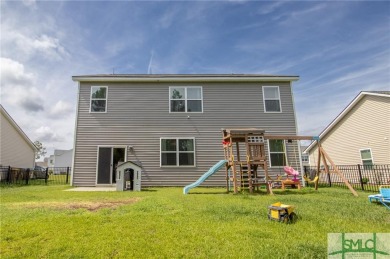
(138, 115)
(367, 125)
(15, 151)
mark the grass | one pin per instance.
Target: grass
(47, 222)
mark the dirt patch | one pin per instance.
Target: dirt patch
(88, 205)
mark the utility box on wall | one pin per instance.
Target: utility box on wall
(128, 177)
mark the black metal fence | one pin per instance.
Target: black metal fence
(361, 177)
(26, 176)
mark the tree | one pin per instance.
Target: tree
(41, 150)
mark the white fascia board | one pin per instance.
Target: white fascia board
(185, 79)
(342, 114)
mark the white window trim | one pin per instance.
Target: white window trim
(269, 155)
(280, 101)
(185, 98)
(105, 99)
(178, 152)
(361, 159)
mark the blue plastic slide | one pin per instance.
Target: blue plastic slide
(204, 177)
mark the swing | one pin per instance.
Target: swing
(316, 178)
(289, 170)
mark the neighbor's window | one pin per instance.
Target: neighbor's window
(185, 99)
(366, 157)
(271, 97)
(277, 152)
(177, 152)
(305, 158)
(98, 99)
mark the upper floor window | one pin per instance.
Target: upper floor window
(366, 156)
(277, 152)
(185, 99)
(177, 152)
(98, 99)
(271, 97)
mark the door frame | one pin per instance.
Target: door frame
(111, 162)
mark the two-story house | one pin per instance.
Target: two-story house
(171, 124)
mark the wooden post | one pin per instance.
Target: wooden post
(238, 151)
(268, 185)
(318, 161)
(339, 173)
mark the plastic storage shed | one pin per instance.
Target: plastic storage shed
(128, 177)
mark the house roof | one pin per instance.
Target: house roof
(17, 128)
(345, 112)
(182, 78)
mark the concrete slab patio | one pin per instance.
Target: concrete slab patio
(92, 189)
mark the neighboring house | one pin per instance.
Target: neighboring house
(43, 163)
(61, 158)
(360, 133)
(17, 150)
(304, 156)
(171, 124)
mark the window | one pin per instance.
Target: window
(271, 97)
(185, 99)
(98, 98)
(177, 152)
(366, 156)
(305, 158)
(277, 152)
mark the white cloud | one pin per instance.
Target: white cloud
(12, 72)
(270, 8)
(40, 45)
(168, 18)
(30, 3)
(17, 86)
(46, 134)
(60, 110)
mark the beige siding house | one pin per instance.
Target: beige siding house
(360, 134)
(171, 124)
(17, 150)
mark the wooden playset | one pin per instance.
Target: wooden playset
(250, 169)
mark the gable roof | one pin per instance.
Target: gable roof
(181, 78)
(17, 128)
(345, 112)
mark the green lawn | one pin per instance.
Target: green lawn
(47, 222)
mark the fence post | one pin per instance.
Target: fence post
(27, 175)
(330, 182)
(9, 175)
(360, 177)
(47, 174)
(67, 175)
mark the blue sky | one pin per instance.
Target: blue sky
(337, 48)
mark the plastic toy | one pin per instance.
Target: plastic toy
(282, 213)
